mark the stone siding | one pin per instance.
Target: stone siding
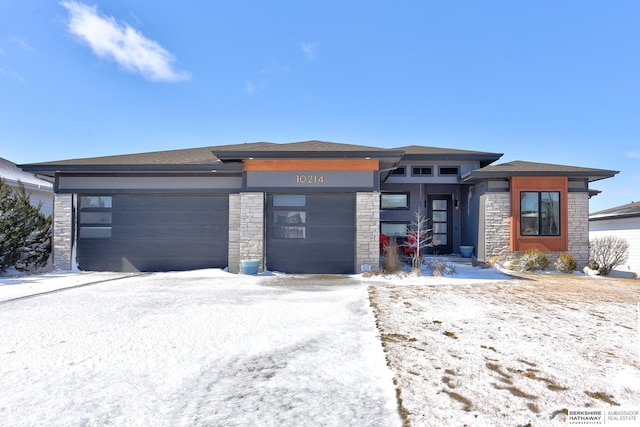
(367, 230)
(63, 231)
(251, 235)
(579, 227)
(497, 226)
(234, 233)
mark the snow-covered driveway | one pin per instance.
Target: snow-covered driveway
(195, 348)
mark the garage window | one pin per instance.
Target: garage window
(289, 223)
(94, 217)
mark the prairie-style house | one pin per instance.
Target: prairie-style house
(308, 207)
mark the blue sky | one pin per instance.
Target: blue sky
(546, 80)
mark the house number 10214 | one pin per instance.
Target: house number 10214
(309, 179)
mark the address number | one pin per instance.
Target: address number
(309, 179)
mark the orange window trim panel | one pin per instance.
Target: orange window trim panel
(312, 165)
(520, 243)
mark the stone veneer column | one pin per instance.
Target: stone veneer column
(367, 230)
(497, 226)
(251, 234)
(63, 231)
(234, 233)
(579, 227)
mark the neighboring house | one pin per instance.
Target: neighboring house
(308, 207)
(622, 221)
(40, 190)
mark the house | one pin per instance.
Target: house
(307, 207)
(621, 221)
(40, 190)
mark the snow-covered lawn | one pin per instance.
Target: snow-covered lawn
(201, 348)
(210, 348)
(510, 352)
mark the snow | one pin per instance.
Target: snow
(193, 348)
(479, 347)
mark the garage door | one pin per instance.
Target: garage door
(312, 233)
(152, 232)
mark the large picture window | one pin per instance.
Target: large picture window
(540, 213)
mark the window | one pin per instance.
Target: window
(400, 171)
(289, 223)
(422, 171)
(448, 170)
(289, 200)
(394, 201)
(94, 217)
(392, 229)
(540, 213)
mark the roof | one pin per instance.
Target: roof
(10, 172)
(522, 168)
(419, 152)
(227, 157)
(624, 211)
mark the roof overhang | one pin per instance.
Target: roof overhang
(51, 170)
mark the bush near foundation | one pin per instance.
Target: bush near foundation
(566, 263)
(25, 233)
(530, 260)
(608, 252)
(391, 263)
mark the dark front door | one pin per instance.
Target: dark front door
(439, 211)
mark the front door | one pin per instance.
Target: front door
(439, 211)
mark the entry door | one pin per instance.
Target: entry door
(439, 211)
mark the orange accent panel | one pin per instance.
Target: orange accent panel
(544, 243)
(312, 165)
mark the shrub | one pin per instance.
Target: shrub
(25, 233)
(439, 267)
(566, 263)
(491, 261)
(391, 262)
(592, 265)
(530, 260)
(608, 252)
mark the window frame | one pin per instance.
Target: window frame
(414, 167)
(407, 198)
(296, 208)
(448, 174)
(406, 227)
(533, 183)
(539, 214)
(102, 230)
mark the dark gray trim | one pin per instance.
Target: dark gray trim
(301, 190)
(150, 191)
(51, 170)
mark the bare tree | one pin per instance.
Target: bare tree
(608, 252)
(419, 238)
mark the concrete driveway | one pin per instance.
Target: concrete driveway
(193, 348)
